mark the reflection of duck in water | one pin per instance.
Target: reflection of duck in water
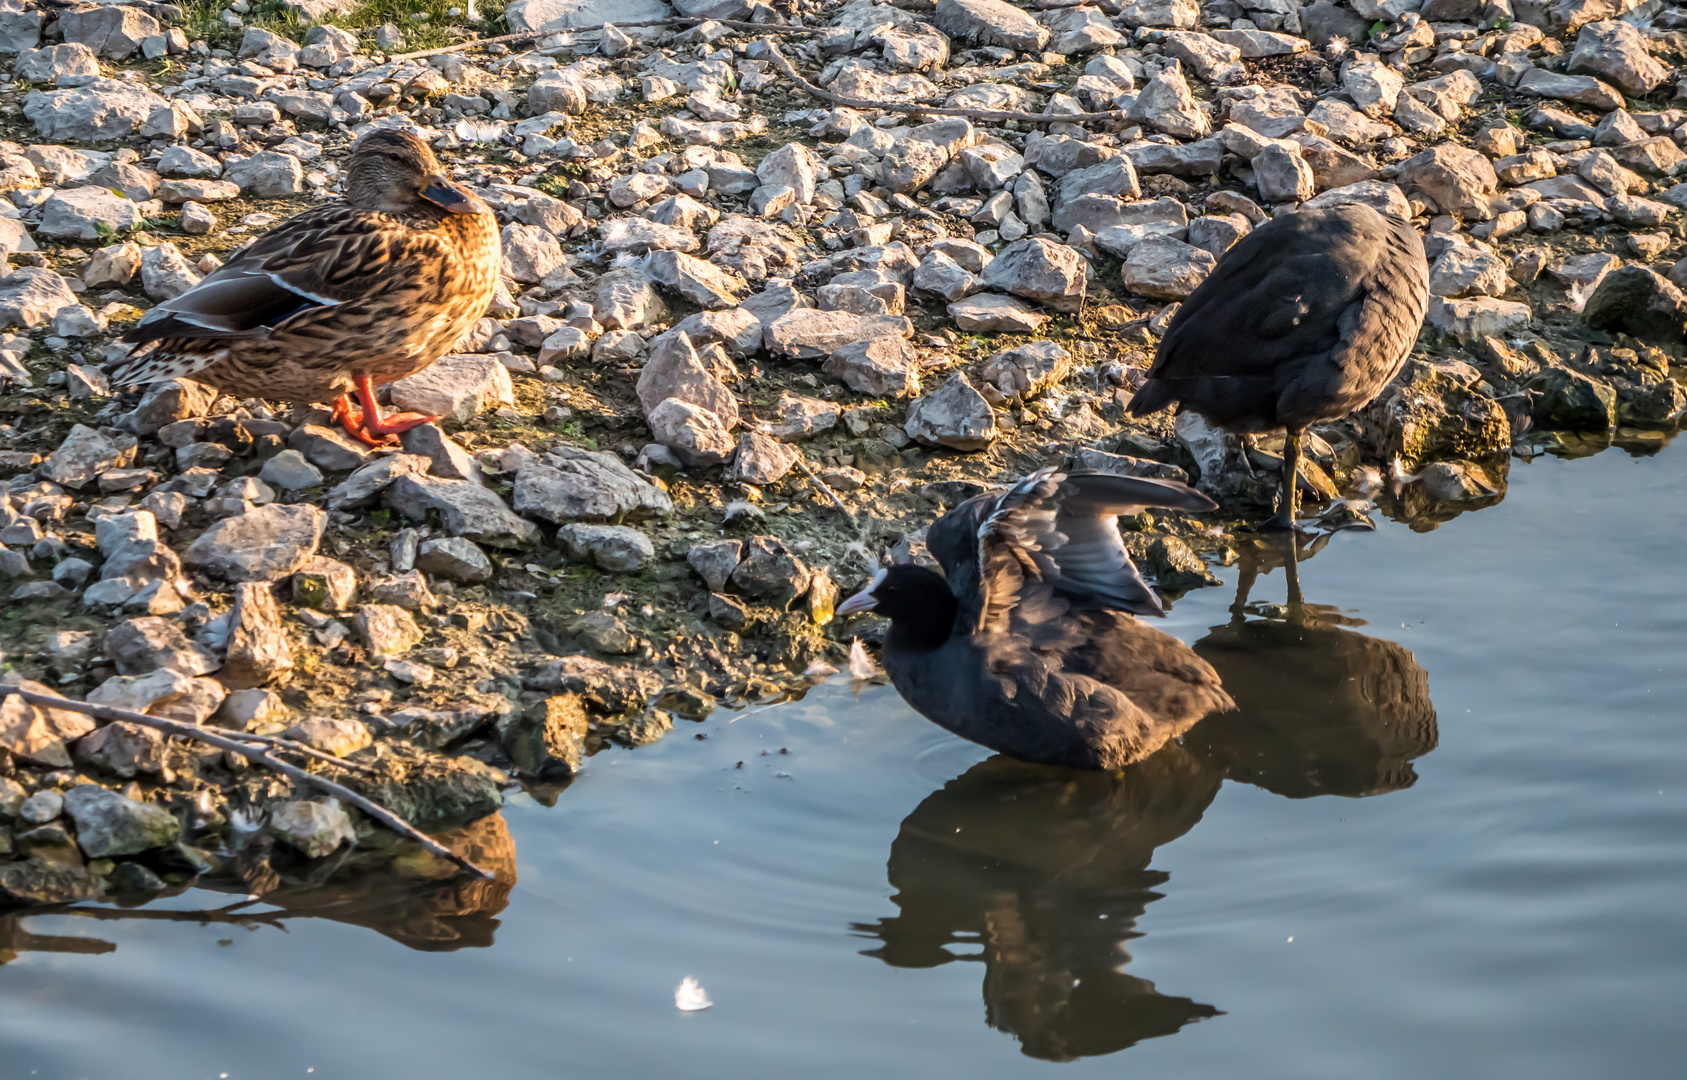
(410, 896)
(1320, 708)
(1045, 871)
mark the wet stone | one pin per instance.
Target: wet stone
(1570, 401)
(430, 791)
(108, 824)
(41, 881)
(314, 829)
(1638, 301)
(1175, 566)
(1428, 414)
(547, 738)
(770, 572)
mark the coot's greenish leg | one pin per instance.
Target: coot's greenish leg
(1288, 497)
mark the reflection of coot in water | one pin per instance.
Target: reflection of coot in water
(1320, 708)
(1041, 874)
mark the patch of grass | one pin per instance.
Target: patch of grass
(202, 20)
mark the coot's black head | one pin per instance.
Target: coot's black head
(917, 601)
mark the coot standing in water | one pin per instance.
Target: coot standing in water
(1025, 644)
(1303, 320)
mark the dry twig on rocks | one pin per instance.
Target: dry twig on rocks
(231, 741)
(535, 35)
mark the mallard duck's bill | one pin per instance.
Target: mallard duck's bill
(448, 196)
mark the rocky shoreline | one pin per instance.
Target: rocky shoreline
(749, 344)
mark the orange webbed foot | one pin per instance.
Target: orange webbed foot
(394, 423)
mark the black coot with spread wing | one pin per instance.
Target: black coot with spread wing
(1304, 320)
(1025, 645)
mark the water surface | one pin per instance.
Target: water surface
(1444, 835)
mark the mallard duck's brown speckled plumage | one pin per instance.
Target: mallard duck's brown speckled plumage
(380, 285)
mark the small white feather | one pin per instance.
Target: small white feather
(690, 996)
(861, 667)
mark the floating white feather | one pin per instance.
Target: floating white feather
(690, 996)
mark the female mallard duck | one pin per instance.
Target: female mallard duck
(355, 292)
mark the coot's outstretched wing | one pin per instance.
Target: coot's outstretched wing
(1058, 531)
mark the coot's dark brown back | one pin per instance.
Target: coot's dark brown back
(1304, 319)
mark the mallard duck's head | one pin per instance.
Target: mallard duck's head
(395, 172)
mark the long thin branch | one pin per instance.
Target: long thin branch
(302, 750)
(231, 742)
(534, 35)
(996, 116)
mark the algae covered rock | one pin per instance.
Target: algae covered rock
(108, 824)
(41, 881)
(1567, 400)
(1639, 301)
(428, 790)
(606, 688)
(1646, 402)
(1431, 413)
(1175, 566)
(548, 738)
